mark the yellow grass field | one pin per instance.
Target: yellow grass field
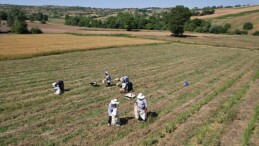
(15, 46)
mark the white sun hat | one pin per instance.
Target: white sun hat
(115, 101)
(140, 96)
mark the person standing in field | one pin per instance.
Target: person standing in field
(113, 113)
(140, 107)
(108, 79)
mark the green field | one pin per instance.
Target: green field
(222, 95)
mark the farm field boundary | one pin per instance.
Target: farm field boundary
(28, 46)
(32, 115)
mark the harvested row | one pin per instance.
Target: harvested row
(178, 104)
(153, 107)
(31, 114)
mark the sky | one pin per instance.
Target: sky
(131, 3)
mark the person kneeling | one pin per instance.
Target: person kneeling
(58, 87)
(126, 87)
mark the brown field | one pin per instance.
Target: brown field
(226, 11)
(22, 45)
(248, 41)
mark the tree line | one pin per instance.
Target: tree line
(174, 20)
(16, 19)
(125, 20)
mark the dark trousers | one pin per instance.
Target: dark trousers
(110, 120)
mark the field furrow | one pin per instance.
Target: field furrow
(30, 114)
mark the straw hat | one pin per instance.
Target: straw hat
(115, 101)
(140, 96)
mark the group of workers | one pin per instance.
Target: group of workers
(140, 106)
(124, 84)
(140, 110)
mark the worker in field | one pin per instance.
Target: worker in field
(126, 87)
(108, 79)
(140, 107)
(58, 87)
(122, 80)
(113, 113)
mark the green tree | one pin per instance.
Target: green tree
(256, 33)
(179, 15)
(36, 30)
(67, 20)
(39, 16)
(207, 11)
(248, 26)
(129, 23)
(3, 15)
(45, 17)
(19, 27)
(16, 20)
(15, 14)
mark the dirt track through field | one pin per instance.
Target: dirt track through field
(31, 114)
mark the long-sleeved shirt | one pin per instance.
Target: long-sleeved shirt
(110, 108)
(142, 104)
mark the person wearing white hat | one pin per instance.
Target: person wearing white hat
(113, 113)
(108, 78)
(140, 107)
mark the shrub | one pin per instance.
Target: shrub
(248, 26)
(207, 11)
(256, 33)
(36, 30)
(3, 15)
(198, 25)
(239, 32)
(227, 26)
(217, 29)
(43, 22)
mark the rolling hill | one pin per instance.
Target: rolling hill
(235, 16)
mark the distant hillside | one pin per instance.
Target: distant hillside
(235, 16)
(61, 11)
(228, 11)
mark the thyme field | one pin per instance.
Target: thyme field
(219, 107)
